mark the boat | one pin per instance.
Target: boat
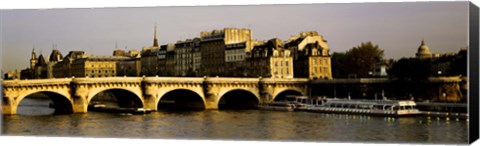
(393, 108)
(277, 106)
(97, 107)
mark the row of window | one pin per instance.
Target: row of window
(96, 76)
(282, 72)
(102, 65)
(235, 57)
(100, 71)
(320, 70)
(321, 61)
(281, 63)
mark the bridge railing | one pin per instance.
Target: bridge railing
(36, 81)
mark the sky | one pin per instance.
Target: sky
(397, 28)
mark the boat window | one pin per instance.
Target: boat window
(353, 106)
(377, 107)
(363, 106)
(395, 108)
(388, 107)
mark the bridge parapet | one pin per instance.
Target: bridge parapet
(286, 80)
(173, 80)
(38, 82)
(454, 79)
(351, 81)
(108, 80)
(231, 80)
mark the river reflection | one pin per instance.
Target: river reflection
(239, 125)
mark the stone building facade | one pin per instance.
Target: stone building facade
(187, 57)
(96, 66)
(213, 48)
(270, 60)
(310, 56)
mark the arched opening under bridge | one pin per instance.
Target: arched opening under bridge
(238, 99)
(181, 99)
(287, 95)
(44, 103)
(116, 98)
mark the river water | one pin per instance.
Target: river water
(33, 119)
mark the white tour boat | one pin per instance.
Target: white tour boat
(366, 107)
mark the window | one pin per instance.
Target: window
(286, 63)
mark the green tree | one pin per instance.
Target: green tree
(410, 69)
(360, 61)
(338, 65)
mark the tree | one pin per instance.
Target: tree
(338, 65)
(410, 69)
(360, 61)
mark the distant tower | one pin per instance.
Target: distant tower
(155, 37)
(33, 60)
(423, 51)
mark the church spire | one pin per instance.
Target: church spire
(155, 37)
(33, 60)
(34, 55)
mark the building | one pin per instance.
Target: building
(162, 60)
(54, 59)
(63, 68)
(149, 62)
(118, 52)
(131, 66)
(33, 62)
(96, 66)
(197, 57)
(11, 75)
(40, 70)
(187, 57)
(235, 59)
(310, 56)
(447, 64)
(270, 59)
(213, 48)
(423, 51)
(170, 60)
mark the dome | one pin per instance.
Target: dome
(423, 51)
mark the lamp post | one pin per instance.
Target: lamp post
(444, 96)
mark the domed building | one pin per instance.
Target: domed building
(423, 51)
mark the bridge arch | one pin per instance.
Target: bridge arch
(181, 98)
(238, 98)
(62, 102)
(281, 94)
(121, 96)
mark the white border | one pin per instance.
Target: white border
(48, 4)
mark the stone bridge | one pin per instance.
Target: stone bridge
(73, 95)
